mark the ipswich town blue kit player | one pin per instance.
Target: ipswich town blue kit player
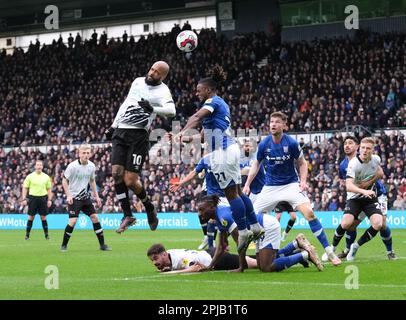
(214, 115)
(278, 152)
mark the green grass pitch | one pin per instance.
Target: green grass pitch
(125, 273)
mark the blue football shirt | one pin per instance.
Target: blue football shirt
(217, 126)
(279, 160)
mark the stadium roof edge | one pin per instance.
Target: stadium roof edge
(112, 20)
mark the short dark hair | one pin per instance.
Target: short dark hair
(353, 138)
(157, 248)
(279, 115)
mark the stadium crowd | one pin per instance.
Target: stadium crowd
(57, 93)
(60, 94)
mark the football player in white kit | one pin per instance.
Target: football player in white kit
(351, 145)
(186, 261)
(148, 96)
(78, 178)
(361, 168)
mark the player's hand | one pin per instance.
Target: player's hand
(181, 138)
(364, 184)
(69, 200)
(144, 104)
(175, 187)
(49, 203)
(203, 268)
(303, 186)
(109, 133)
(237, 270)
(99, 203)
(198, 267)
(168, 137)
(177, 137)
(369, 193)
(246, 190)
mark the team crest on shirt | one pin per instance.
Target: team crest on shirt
(224, 223)
(209, 100)
(185, 262)
(285, 149)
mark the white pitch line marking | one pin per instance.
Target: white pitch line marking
(326, 284)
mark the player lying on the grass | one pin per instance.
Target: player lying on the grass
(361, 169)
(269, 257)
(351, 145)
(278, 153)
(175, 261)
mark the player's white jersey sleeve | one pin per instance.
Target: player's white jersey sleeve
(131, 115)
(376, 159)
(68, 171)
(184, 258)
(164, 104)
(352, 167)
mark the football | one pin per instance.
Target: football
(186, 41)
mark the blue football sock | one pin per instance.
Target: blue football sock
(286, 262)
(350, 237)
(287, 250)
(238, 212)
(386, 236)
(318, 232)
(211, 231)
(249, 210)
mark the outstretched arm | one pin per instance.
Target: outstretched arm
(195, 268)
(219, 250)
(195, 120)
(185, 180)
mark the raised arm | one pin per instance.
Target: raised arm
(195, 120)
(175, 187)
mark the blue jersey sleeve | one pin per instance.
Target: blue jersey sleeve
(295, 149)
(210, 105)
(224, 218)
(261, 150)
(202, 165)
(342, 173)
